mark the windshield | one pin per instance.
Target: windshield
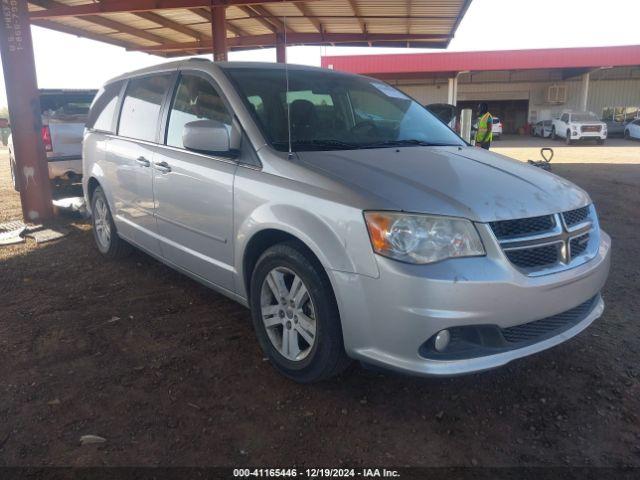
(584, 117)
(332, 111)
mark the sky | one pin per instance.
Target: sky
(66, 61)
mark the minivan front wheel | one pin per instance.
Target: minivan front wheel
(295, 314)
(104, 230)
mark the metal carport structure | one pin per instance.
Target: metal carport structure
(185, 27)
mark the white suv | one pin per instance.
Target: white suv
(574, 126)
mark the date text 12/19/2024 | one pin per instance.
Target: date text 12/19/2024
(315, 473)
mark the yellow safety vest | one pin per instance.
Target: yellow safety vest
(483, 135)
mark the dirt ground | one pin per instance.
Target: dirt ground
(170, 373)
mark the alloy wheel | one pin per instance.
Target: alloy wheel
(288, 314)
(101, 222)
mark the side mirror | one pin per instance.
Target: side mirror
(209, 136)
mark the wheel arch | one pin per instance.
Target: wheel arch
(269, 224)
(260, 242)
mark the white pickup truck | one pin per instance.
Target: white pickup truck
(575, 126)
(64, 114)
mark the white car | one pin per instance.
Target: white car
(632, 130)
(574, 126)
(497, 128)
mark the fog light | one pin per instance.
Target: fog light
(441, 342)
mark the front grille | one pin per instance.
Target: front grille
(590, 128)
(574, 217)
(579, 245)
(534, 257)
(504, 229)
(540, 245)
(533, 331)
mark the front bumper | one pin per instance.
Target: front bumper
(387, 320)
(588, 135)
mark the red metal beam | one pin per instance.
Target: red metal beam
(206, 15)
(281, 50)
(219, 33)
(106, 22)
(32, 171)
(294, 38)
(167, 23)
(132, 6)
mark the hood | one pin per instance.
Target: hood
(464, 182)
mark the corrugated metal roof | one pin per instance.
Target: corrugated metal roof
(486, 60)
(174, 27)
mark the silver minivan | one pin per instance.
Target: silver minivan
(351, 221)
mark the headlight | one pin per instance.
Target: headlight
(416, 238)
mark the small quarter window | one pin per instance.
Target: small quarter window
(104, 107)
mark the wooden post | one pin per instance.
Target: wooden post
(281, 49)
(218, 32)
(32, 171)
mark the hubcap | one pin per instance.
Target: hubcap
(101, 223)
(288, 314)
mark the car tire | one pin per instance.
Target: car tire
(600, 141)
(104, 230)
(627, 135)
(553, 133)
(14, 178)
(567, 139)
(299, 332)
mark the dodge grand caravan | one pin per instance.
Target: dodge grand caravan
(351, 221)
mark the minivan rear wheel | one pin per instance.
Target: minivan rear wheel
(295, 314)
(104, 230)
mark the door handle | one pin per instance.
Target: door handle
(163, 167)
(143, 161)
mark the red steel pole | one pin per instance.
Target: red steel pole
(219, 32)
(281, 49)
(18, 64)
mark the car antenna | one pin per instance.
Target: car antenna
(286, 76)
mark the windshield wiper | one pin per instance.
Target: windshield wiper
(407, 142)
(330, 143)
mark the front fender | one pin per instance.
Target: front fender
(338, 245)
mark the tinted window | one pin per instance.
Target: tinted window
(104, 107)
(141, 107)
(584, 117)
(565, 117)
(195, 99)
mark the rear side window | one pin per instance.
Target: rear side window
(141, 107)
(104, 108)
(195, 99)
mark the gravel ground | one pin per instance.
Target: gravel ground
(169, 373)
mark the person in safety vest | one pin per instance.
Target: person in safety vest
(484, 133)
